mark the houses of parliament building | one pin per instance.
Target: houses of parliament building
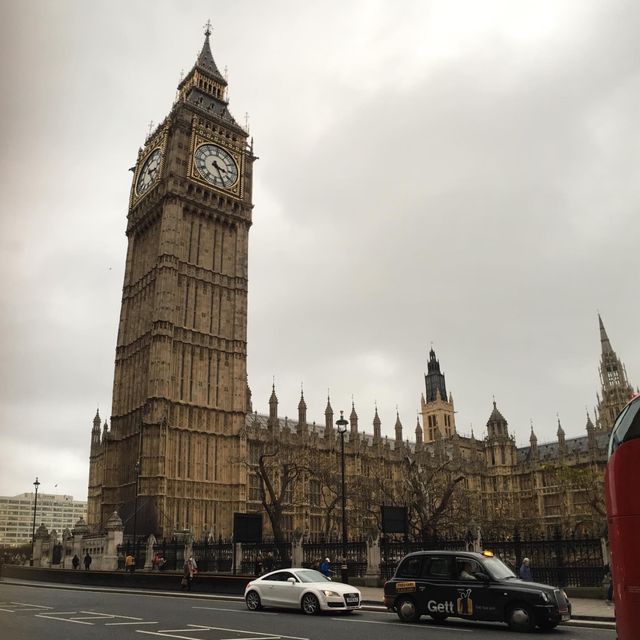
(184, 448)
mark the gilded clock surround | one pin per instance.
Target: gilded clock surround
(202, 136)
(155, 142)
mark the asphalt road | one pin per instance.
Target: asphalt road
(38, 613)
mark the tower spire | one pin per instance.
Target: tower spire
(604, 338)
(616, 390)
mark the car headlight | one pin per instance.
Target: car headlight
(330, 594)
(545, 596)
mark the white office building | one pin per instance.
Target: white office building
(54, 511)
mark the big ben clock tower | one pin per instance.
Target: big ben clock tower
(180, 384)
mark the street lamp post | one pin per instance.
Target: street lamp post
(135, 516)
(36, 484)
(342, 429)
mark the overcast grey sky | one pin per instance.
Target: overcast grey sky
(462, 174)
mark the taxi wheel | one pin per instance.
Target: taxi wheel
(252, 600)
(520, 618)
(406, 610)
(310, 604)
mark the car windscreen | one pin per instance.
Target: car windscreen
(310, 575)
(498, 569)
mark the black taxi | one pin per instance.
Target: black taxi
(474, 586)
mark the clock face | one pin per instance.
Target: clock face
(149, 172)
(216, 165)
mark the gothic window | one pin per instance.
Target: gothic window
(314, 493)
(287, 524)
(254, 454)
(254, 487)
(287, 496)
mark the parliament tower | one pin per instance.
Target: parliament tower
(616, 390)
(180, 384)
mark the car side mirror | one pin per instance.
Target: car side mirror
(291, 580)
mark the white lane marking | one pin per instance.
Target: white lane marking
(31, 606)
(264, 613)
(54, 616)
(266, 636)
(115, 624)
(110, 615)
(256, 638)
(162, 634)
(21, 606)
(402, 625)
(254, 635)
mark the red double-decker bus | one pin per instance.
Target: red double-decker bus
(622, 492)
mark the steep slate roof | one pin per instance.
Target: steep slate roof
(551, 450)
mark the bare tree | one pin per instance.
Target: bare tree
(276, 478)
(429, 486)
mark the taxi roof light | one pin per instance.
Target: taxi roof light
(487, 554)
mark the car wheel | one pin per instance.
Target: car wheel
(406, 610)
(520, 618)
(253, 601)
(439, 617)
(310, 604)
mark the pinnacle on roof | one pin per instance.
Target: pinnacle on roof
(496, 416)
(376, 418)
(205, 61)
(418, 425)
(604, 338)
(328, 410)
(354, 416)
(532, 437)
(96, 420)
(273, 399)
(398, 423)
(302, 404)
(589, 423)
(560, 429)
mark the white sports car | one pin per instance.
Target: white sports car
(304, 589)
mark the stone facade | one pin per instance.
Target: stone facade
(180, 383)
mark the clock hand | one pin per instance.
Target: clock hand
(215, 164)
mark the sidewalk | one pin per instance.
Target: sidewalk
(581, 608)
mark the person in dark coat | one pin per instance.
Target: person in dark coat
(525, 570)
(87, 561)
(76, 561)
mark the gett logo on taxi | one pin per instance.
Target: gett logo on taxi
(440, 607)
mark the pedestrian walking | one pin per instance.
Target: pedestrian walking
(268, 562)
(87, 561)
(155, 562)
(525, 570)
(189, 570)
(129, 563)
(258, 565)
(76, 561)
(325, 567)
